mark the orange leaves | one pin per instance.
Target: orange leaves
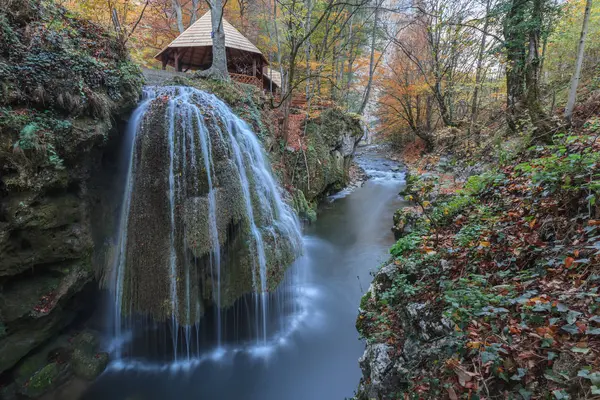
(514, 329)
(541, 299)
(569, 261)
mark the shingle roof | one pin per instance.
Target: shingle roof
(199, 34)
(273, 75)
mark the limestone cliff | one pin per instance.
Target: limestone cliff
(330, 140)
(322, 166)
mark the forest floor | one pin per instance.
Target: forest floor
(492, 290)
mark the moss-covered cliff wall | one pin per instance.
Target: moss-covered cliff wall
(322, 167)
(64, 85)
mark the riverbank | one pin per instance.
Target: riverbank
(491, 290)
(317, 303)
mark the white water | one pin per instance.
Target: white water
(187, 113)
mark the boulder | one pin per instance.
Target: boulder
(379, 375)
(405, 221)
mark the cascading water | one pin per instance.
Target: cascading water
(202, 227)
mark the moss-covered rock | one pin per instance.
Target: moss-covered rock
(42, 381)
(330, 142)
(86, 361)
(34, 310)
(305, 210)
(89, 366)
(64, 83)
(222, 217)
(405, 221)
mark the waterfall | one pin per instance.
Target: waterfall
(203, 228)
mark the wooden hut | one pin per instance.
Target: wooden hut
(192, 50)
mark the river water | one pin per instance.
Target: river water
(318, 358)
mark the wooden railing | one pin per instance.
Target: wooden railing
(299, 101)
(247, 79)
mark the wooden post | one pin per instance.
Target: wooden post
(177, 56)
(165, 60)
(254, 66)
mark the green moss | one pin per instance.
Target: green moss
(330, 140)
(88, 365)
(365, 299)
(42, 381)
(303, 208)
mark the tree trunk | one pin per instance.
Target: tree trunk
(428, 114)
(515, 66)
(442, 105)
(578, 63)
(278, 43)
(365, 100)
(178, 15)
(218, 69)
(195, 4)
(538, 117)
(307, 49)
(479, 69)
(288, 101)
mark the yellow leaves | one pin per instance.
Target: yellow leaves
(484, 244)
(474, 345)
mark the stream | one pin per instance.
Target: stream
(318, 358)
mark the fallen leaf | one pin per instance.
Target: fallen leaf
(569, 261)
(452, 393)
(464, 376)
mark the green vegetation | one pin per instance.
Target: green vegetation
(508, 267)
(54, 69)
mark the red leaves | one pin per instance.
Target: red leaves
(46, 303)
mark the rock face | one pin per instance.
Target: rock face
(331, 139)
(83, 82)
(426, 338)
(405, 221)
